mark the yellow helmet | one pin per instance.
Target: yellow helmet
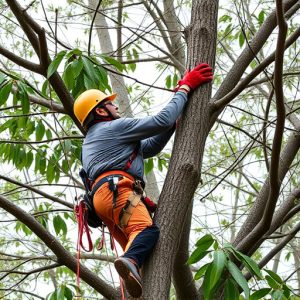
(86, 101)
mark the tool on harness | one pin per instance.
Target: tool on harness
(138, 188)
(134, 199)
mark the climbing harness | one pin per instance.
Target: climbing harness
(87, 216)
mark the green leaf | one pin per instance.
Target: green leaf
(39, 131)
(114, 62)
(67, 146)
(168, 82)
(88, 67)
(132, 67)
(225, 18)
(25, 103)
(48, 134)
(148, 165)
(175, 80)
(238, 277)
(241, 39)
(29, 159)
(50, 172)
(45, 87)
(102, 78)
(231, 290)
(160, 165)
(51, 296)
(135, 53)
(197, 256)
(68, 77)
(43, 165)
(206, 283)
(213, 273)
(249, 263)
(275, 276)
(22, 122)
(2, 78)
(286, 291)
(68, 293)
(278, 295)
(228, 29)
(272, 283)
(77, 66)
(65, 166)
(59, 225)
(4, 92)
(57, 174)
(88, 83)
(260, 293)
(55, 63)
(201, 271)
(61, 293)
(261, 17)
(252, 266)
(218, 267)
(73, 52)
(205, 242)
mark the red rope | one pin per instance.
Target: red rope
(80, 211)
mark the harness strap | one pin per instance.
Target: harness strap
(132, 157)
(112, 179)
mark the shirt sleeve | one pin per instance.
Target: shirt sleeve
(152, 146)
(159, 125)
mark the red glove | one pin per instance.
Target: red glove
(199, 75)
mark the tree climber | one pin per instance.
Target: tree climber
(112, 156)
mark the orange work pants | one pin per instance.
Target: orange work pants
(103, 203)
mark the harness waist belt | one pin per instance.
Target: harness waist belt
(103, 180)
(112, 173)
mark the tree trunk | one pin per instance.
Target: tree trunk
(184, 171)
(183, 280)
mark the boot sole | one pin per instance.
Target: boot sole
(133, 286)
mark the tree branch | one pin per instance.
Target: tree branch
(276, 249)
(246, 57)
(36, 68)
(44, 141)
(275, 181)
(63, 256)
(29, 187)
(91, 27)
(221, 103)
(255, 214)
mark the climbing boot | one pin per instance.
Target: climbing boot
(129, 272)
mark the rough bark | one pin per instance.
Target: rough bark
(185, 164)
(183, 279)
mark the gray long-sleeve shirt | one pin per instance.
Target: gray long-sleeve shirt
(109, 145)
